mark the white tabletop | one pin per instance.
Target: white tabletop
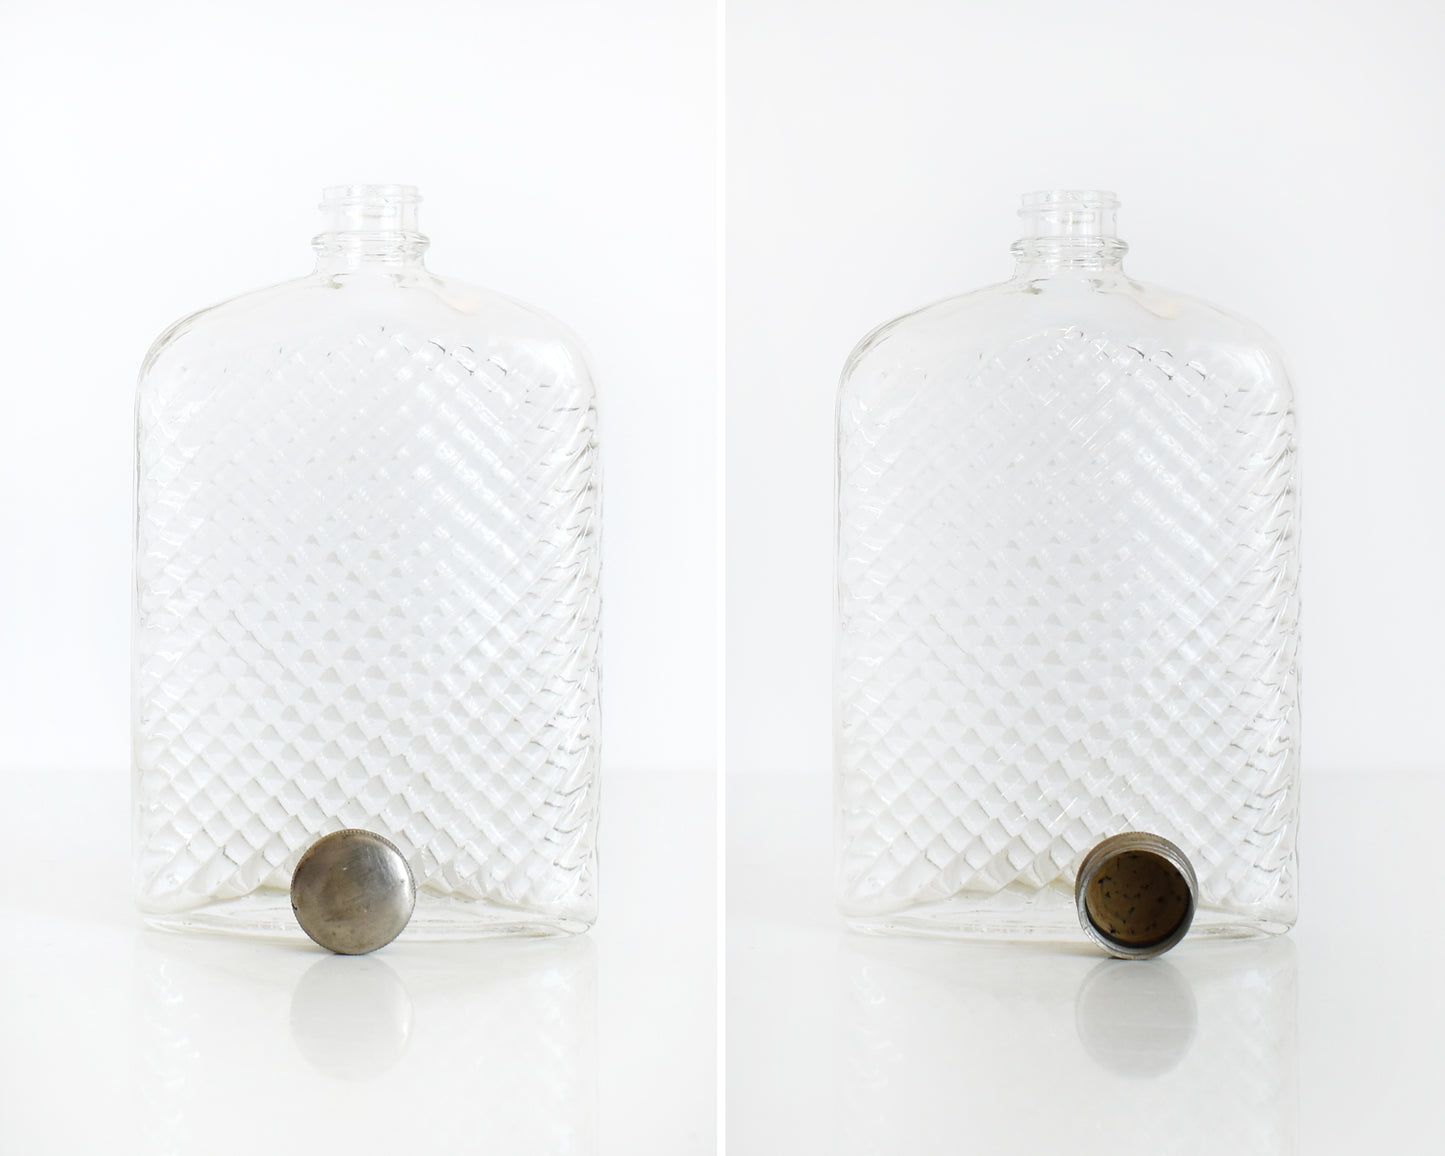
(1329, 1039)
(121, 1040)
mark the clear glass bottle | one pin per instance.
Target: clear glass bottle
(1067, 596)
(366, 592)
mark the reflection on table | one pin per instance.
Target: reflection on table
(249, 1046)
(951, 1047)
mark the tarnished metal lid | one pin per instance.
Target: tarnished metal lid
(1136, 894)
(352, 891)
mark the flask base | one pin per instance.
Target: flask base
(1040, 914)
(266, 914)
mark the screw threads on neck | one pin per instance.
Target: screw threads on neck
(1069, 227)
(369, 224)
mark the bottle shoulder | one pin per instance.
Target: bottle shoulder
(327, 313)
(948, 336)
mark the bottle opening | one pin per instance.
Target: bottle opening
(370, 208)
(369, 224)
(1068, 228)
(1136, 893)
(366, 192)
(1069, 213)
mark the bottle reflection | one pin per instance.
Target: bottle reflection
(247, 1046)
(350, 1016)
(1136, 1018)
(1023, 1048)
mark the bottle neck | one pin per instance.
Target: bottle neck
(1068, 230)
(369, 226)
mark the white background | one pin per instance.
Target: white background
(1280, 159)
(158, 157)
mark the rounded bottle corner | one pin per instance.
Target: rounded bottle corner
(174, 335)
(163, 343)
(582, 916)
(861, 349)
(847, 903)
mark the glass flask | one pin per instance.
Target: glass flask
(366, 593)
(1067, 584)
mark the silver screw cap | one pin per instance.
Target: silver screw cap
(352, 891)
(1136, 894)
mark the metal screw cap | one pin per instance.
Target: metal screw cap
(352, 891)
(1136, 894)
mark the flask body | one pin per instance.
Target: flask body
(1067, 606)
(366, 595)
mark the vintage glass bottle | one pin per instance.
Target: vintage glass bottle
(1067, 584)
(366, 592)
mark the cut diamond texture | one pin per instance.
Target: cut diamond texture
(1068, 606)
(367, 596)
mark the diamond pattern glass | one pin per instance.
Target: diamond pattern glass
(1067, 583)
(366, 581)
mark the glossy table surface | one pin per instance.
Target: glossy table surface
(1329, 1039)
(118, 1039)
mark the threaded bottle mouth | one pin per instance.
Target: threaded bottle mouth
(370, 208)
(1069, 227)
(368, 192)
(1068, 198)
(1069, 213)
(1135, 894)
(368, 224)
